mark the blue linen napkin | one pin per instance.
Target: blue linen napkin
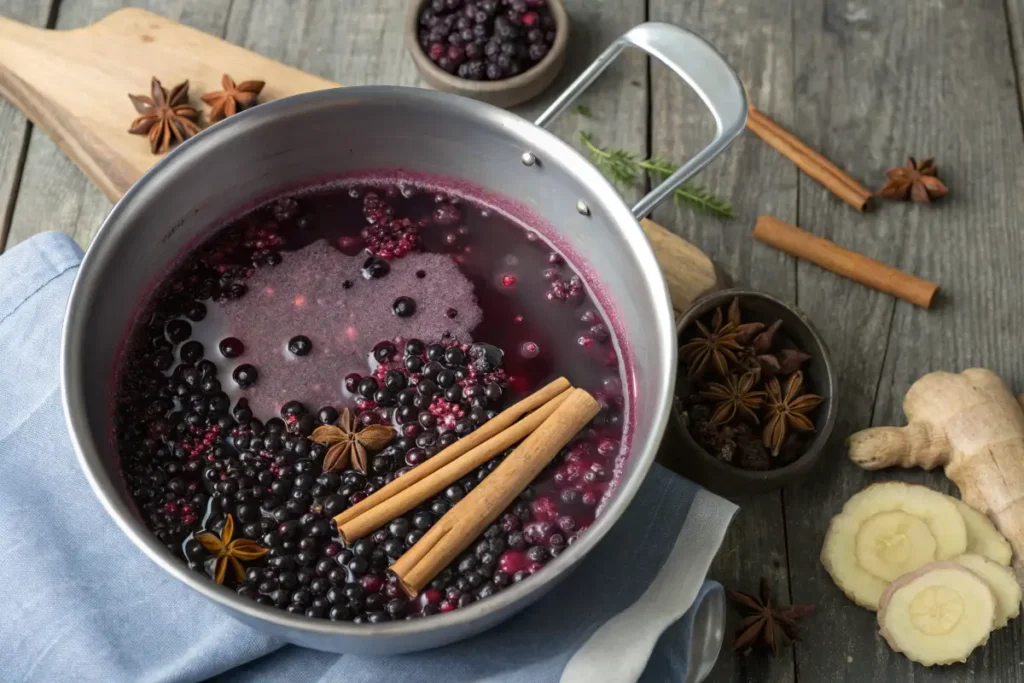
(80, 602)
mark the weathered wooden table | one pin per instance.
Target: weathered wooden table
(866, 82)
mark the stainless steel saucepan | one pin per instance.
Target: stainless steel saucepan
(307, 138)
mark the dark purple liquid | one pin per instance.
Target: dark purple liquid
(353, 272)
(478, 278)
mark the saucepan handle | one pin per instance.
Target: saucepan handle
(697, 63)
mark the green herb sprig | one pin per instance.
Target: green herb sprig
(624, 168)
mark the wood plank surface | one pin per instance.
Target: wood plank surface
(866, 83)
(103, 62)
(14, 128)
(56, 195)
(877, 82)
(356, 42)
(754, 179)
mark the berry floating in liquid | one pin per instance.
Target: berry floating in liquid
(203, 436)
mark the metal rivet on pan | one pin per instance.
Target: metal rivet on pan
(582, 207)
(529, 159)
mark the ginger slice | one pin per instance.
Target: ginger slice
(886, 530)
(982, 536)
(1001, 581)
(893, 543)
(937, 614)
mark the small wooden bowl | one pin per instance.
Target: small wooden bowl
(681, 452)
(507, 92)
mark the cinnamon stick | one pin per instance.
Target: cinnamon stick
(857, 267)
(809, 161)
(401, 501)
(492, 427)
(456, 530)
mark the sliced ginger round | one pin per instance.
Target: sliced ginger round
(893, 543)
(1001, 581)
(937, 614)
(982, 536)
(886, 530)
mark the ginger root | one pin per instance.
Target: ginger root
(1001, 581)
(937, 614)
(887, 530)
(982, 536)
(889, 549)
(973, 426)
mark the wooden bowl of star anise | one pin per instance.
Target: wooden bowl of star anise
(755, 396)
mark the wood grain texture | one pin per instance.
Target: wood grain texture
(356, 42)
(685, 285)
(754, 38)
(865, 83)
(55, 194)
(876, 82)
(74, 83)
(14, 128)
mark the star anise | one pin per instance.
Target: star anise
(758, 357)
(233, 98)
(717, 345)
(785, 410)
(766, 624)
(164, 117)
(918, 180)
(735, 396)
(744, 331)
(229, 552)
(350, 442)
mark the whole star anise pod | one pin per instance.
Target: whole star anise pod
(350, 442)
(233, 98)
(164, 118)
(744, 331)
(717, 346)
(918, 180)
(758, 357)
(229, 552)
(766, 624)
(787, 409)
(735, 396)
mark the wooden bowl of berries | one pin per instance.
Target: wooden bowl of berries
(503, 52)
(756, 393)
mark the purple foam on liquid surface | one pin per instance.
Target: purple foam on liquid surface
(304, 295)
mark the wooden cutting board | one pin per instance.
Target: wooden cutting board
(74, 85)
